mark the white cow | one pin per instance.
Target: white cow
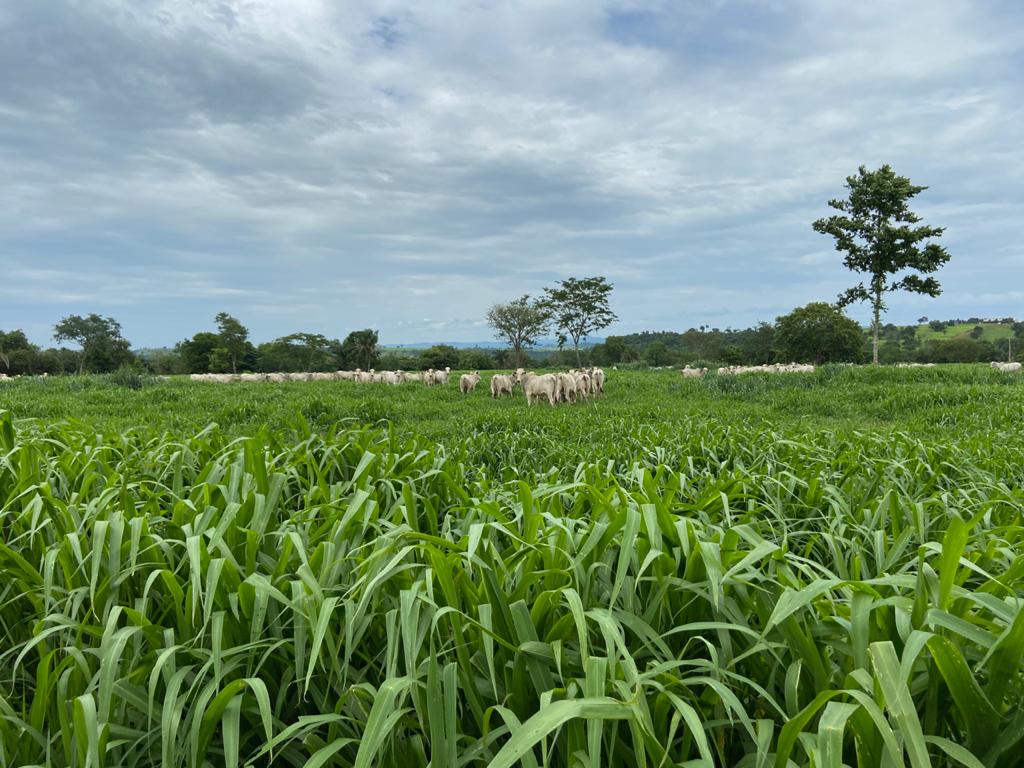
(536, 387)
(468, 382)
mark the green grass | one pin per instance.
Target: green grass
(991, 332)
(957, 399)
(741, 571)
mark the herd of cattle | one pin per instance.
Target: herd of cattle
(567, 387)
(564, 387)
(736, 370)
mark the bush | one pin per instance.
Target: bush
(958, 351)
(128, 377)
(475, 360)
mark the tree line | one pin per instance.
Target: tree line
(102, 348)
(817, 333)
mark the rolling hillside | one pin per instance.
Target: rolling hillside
(990, 331)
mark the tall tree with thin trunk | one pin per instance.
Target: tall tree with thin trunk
(877, 232)
(520, 322)
(233, 337)
(578, 308)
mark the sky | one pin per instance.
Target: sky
(324, 166)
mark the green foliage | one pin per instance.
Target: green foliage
(195, 352)
(398, 361)
(162, 361)
(234, 338)
(748, 346)
(221, 360)
(613, 350)
(519, 322)
(20, 357)
(104, 349)
(874, 230)
(657, 354)
(966, 350)
(578, 307)
(475, 360)
(758, 344)
(297, 352)
(128, 377)
(359, 350)
(439, 356)
(818, 333)
(684, 572)
(11, 343)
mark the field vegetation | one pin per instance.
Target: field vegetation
(819, 569)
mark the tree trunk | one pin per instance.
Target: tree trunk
(518, 349)
(579, 364)
(875, 327)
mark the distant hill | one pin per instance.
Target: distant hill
(991, 331)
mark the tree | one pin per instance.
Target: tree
(613, 350)
(233, 338)
(359, 350)
(818, 333)
(162, 361)
(578, 308)
(439, 356)
(397, 361)
(195, 352)
(297, 352)
(759, 344)
(520, 322)
(874, 229)
(14, 341)
(657, 354)
(220, 360)
(732, 355)
(103, 347)
(475, 360)
(958, 351)
(18, 355)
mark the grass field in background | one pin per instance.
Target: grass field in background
(990, 332)
(825, 569)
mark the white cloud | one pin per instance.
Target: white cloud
(336, 166)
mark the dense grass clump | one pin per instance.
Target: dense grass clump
(665, 577)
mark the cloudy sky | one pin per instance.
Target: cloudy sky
(323, 165)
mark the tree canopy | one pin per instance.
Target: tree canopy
(579, 307)
(196, 352)
(297, 352)
(103, 347)
(519, 322)
(818, 333)
(234, 339)
(875, 230)
(359, 350)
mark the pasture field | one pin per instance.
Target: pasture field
(990, 331)
(809, 570)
